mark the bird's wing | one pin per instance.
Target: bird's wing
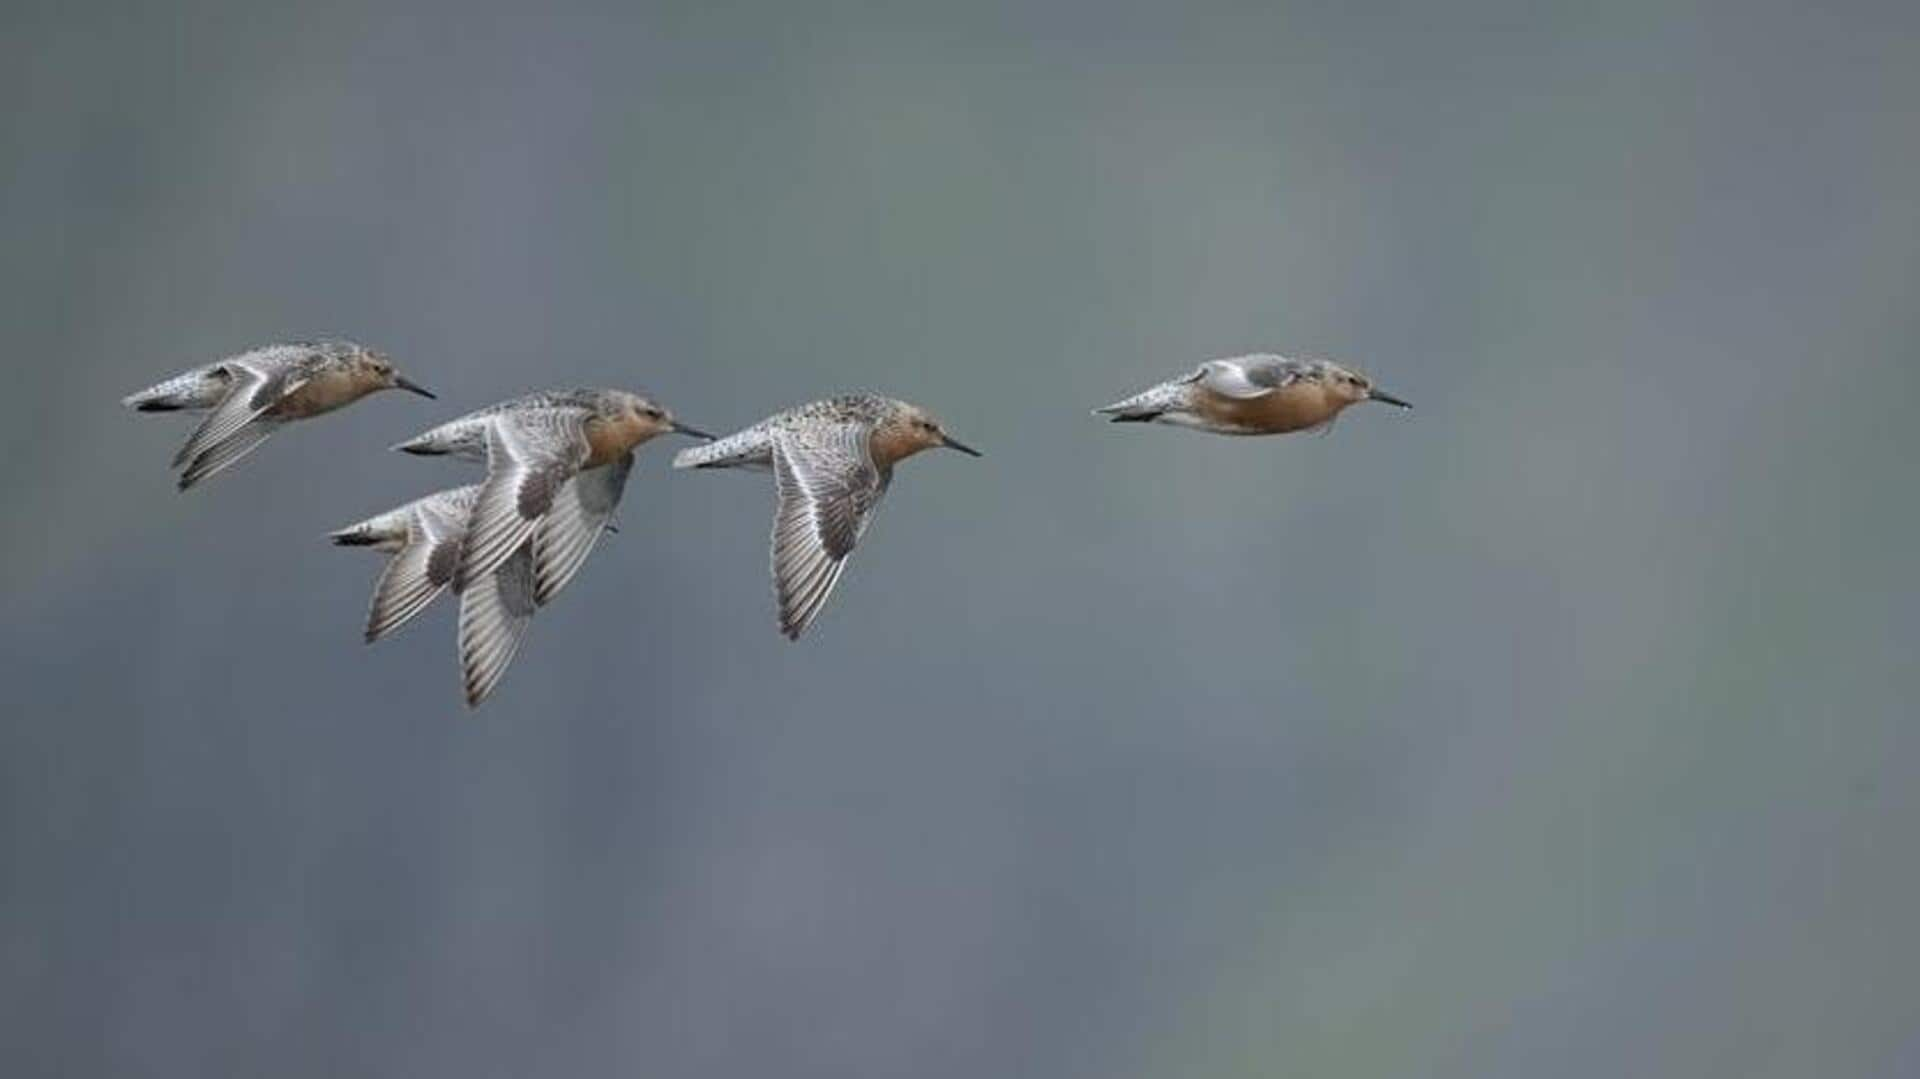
(218, 456)
(255, 381)
(1247, 378)
(531, 454)
(580, 514)
(828, 486)
(422, 569)
(495, 612)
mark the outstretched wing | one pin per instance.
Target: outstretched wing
(422, 569)
(531, 454)
(828, 486)
(251, 389)
(219, 456)
(255, 382)
(495, 612)
(580, 515)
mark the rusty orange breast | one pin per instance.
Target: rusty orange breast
(1289, 408)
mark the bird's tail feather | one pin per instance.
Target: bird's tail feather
(1145, 407)
(194, 389)
(742, 449)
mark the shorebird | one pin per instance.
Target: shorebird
(1252, 395)
(251, 395)
(557, 465)
(832, 461)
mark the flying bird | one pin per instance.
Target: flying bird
(1252, 395)
(250, 396)
(557, 466)
(832, 461)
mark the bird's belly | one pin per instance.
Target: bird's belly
(1292, 408)
(321, 393)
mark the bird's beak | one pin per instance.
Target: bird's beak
(682, 428)
(414, 387)
(953, 443)
(1386, 399)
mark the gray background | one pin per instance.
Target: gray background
(1563, 726)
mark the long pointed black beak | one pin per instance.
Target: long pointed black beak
(1386, 399)
(414, 387)
(953, 443)
(682, 428)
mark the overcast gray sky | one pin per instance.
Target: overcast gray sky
(1562, 726)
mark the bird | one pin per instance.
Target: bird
(1261, 394)
(832, 460)
(557, 465)
(251, 395)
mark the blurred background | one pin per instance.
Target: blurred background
(1562, 726)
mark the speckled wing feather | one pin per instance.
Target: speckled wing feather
(424, 567)
(828, 486)
(531, 453)
(567, 534)
(495, 612)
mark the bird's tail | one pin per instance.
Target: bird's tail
(419, 447)
(195, 389)
(465, 438)
(388, 531)
(749, 448)
(357, 536)
(1146, 407)
(427, 444)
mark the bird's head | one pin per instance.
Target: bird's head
(650, 418)
(912, 429)
(377, 368)
(1349, 387)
